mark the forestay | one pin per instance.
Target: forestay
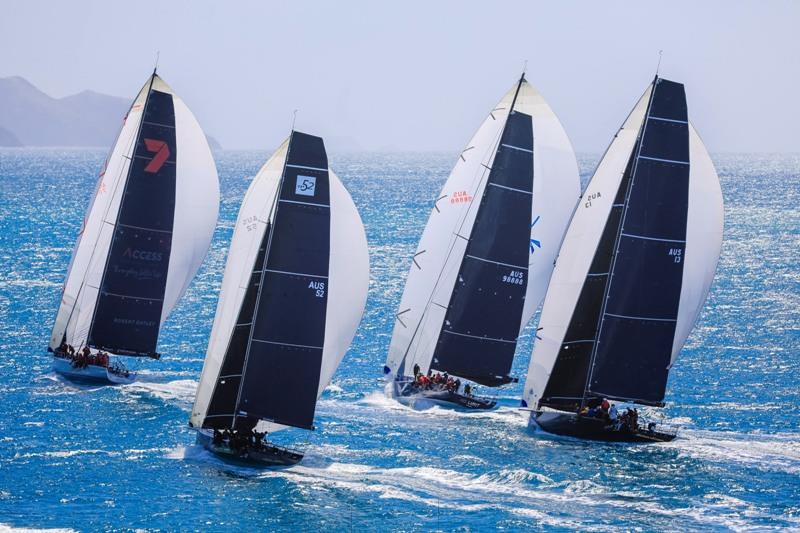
(635, 266)
(486, 254)
(292, 296)
(146, 231)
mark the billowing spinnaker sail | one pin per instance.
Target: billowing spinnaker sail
(616, 296)
(506, 160)
(704, 225)
(295, 284)
(146, 232)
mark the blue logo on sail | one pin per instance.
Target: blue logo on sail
(534, 243)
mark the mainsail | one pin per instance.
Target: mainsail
(292, 296)
(486, 254)
(146, 231)
(635, 265)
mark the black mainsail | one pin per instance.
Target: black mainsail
(127, 316)
(292, 296)
(484, 259)
(146, 231)
(621, 337)
(481, 325)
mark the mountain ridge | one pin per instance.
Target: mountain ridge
(30, 117)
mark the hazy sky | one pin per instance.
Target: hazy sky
(410, 75)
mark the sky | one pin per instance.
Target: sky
(421, 75)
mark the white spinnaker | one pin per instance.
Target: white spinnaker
(704, 224)
(248, 233)
(348, 279)
(196, 203)
(94, 238)
(556, 188)
(577, 251)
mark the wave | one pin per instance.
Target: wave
(180, 392)
(767, 452)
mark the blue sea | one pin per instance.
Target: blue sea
(122, 458)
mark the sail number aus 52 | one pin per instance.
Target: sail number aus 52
(515, 277)
(318, 287)
(676, 254)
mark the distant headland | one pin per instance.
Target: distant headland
(29, 117)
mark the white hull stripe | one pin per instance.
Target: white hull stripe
(288, 344)
(495, 262)
(291, 273)
(307, 168)
(477, 337)
(651, 117)
(517, 148)
(511, 188)
(652, 238)
(642, 318)
(664, 160)
(303, 203)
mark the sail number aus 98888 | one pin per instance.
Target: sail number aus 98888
(515, 277)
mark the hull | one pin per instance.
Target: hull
(266, 457)
(572, 425)
(95, 374)
(416, 398)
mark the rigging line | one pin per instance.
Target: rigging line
(119, 210)
(618, 237)
(658, 66)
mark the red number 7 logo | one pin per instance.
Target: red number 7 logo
(162, 153)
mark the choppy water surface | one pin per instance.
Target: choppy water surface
(91, 458)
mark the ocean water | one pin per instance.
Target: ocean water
(112, 458)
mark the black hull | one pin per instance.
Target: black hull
(266, 457)
(444, 398)
(582, 427)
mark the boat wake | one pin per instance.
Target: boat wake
(179, 393)
(765, 452)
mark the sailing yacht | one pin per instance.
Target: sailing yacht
(482, 265)
(146, 232)
(292, 296)
(631, 278)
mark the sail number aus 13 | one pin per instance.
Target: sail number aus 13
(676, 254)
(515, 277)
